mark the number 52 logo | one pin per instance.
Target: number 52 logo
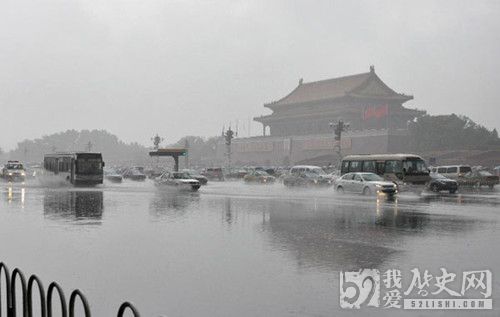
(358, 287)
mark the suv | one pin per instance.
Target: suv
(306, 175)
(13, 171)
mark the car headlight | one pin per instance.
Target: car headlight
(378, 186)
(23, 173)
(10, 174)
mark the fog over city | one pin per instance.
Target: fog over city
(181, 68)
(249, 158)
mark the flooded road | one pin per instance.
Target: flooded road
(240, 250)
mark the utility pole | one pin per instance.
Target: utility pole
(89, 146)
(228, 136)
(25, 153)
(186, 156)
(339, 127)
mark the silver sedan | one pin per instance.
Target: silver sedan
(365, 183)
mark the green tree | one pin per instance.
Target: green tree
(446, 132)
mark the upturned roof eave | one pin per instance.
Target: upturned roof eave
(397, 97)
(271, 105)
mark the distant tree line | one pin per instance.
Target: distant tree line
(114, 150)
(451, 132)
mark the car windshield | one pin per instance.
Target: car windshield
(110, 171)
(317, 170)
(372, 177)
(485, 173)
(89, 166)
(465, 169)
(15, 166)
(260, 173)
(180, 175)
(414, 166)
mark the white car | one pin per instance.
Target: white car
(365, 183)
(13, 171)
(177, 180)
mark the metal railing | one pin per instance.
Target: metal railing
(26, 309)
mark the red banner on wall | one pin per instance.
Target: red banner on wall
(375, 112)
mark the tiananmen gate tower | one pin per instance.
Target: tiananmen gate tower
(299, 128)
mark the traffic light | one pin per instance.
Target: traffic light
(229, 136)
(338, 128)
(338, 131)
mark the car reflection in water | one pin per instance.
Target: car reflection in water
(15, 194)
(86, 206)
(464, 198)
(332, 236)
(172, 205)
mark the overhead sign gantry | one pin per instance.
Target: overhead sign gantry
(172, 152)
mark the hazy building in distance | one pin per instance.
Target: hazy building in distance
(299, 128)
(364, 100)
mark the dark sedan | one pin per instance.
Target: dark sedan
(440, 183)
(134, 174)
(195, 175)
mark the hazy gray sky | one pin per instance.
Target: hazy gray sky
(188, 67)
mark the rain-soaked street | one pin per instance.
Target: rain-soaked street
(240, 250)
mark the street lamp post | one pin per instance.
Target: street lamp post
(186, 157)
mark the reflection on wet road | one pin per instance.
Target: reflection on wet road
(238, 250)
(73, 205)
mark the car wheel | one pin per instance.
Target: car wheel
(340, 190)
(367, 191)
(434, 188)
(452, 191)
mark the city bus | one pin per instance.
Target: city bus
(400, 168)
(78, 168)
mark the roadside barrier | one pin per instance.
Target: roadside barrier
(17, 280)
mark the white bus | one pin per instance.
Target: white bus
(78, 168)
(407, 168)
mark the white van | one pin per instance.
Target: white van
(452, 171)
